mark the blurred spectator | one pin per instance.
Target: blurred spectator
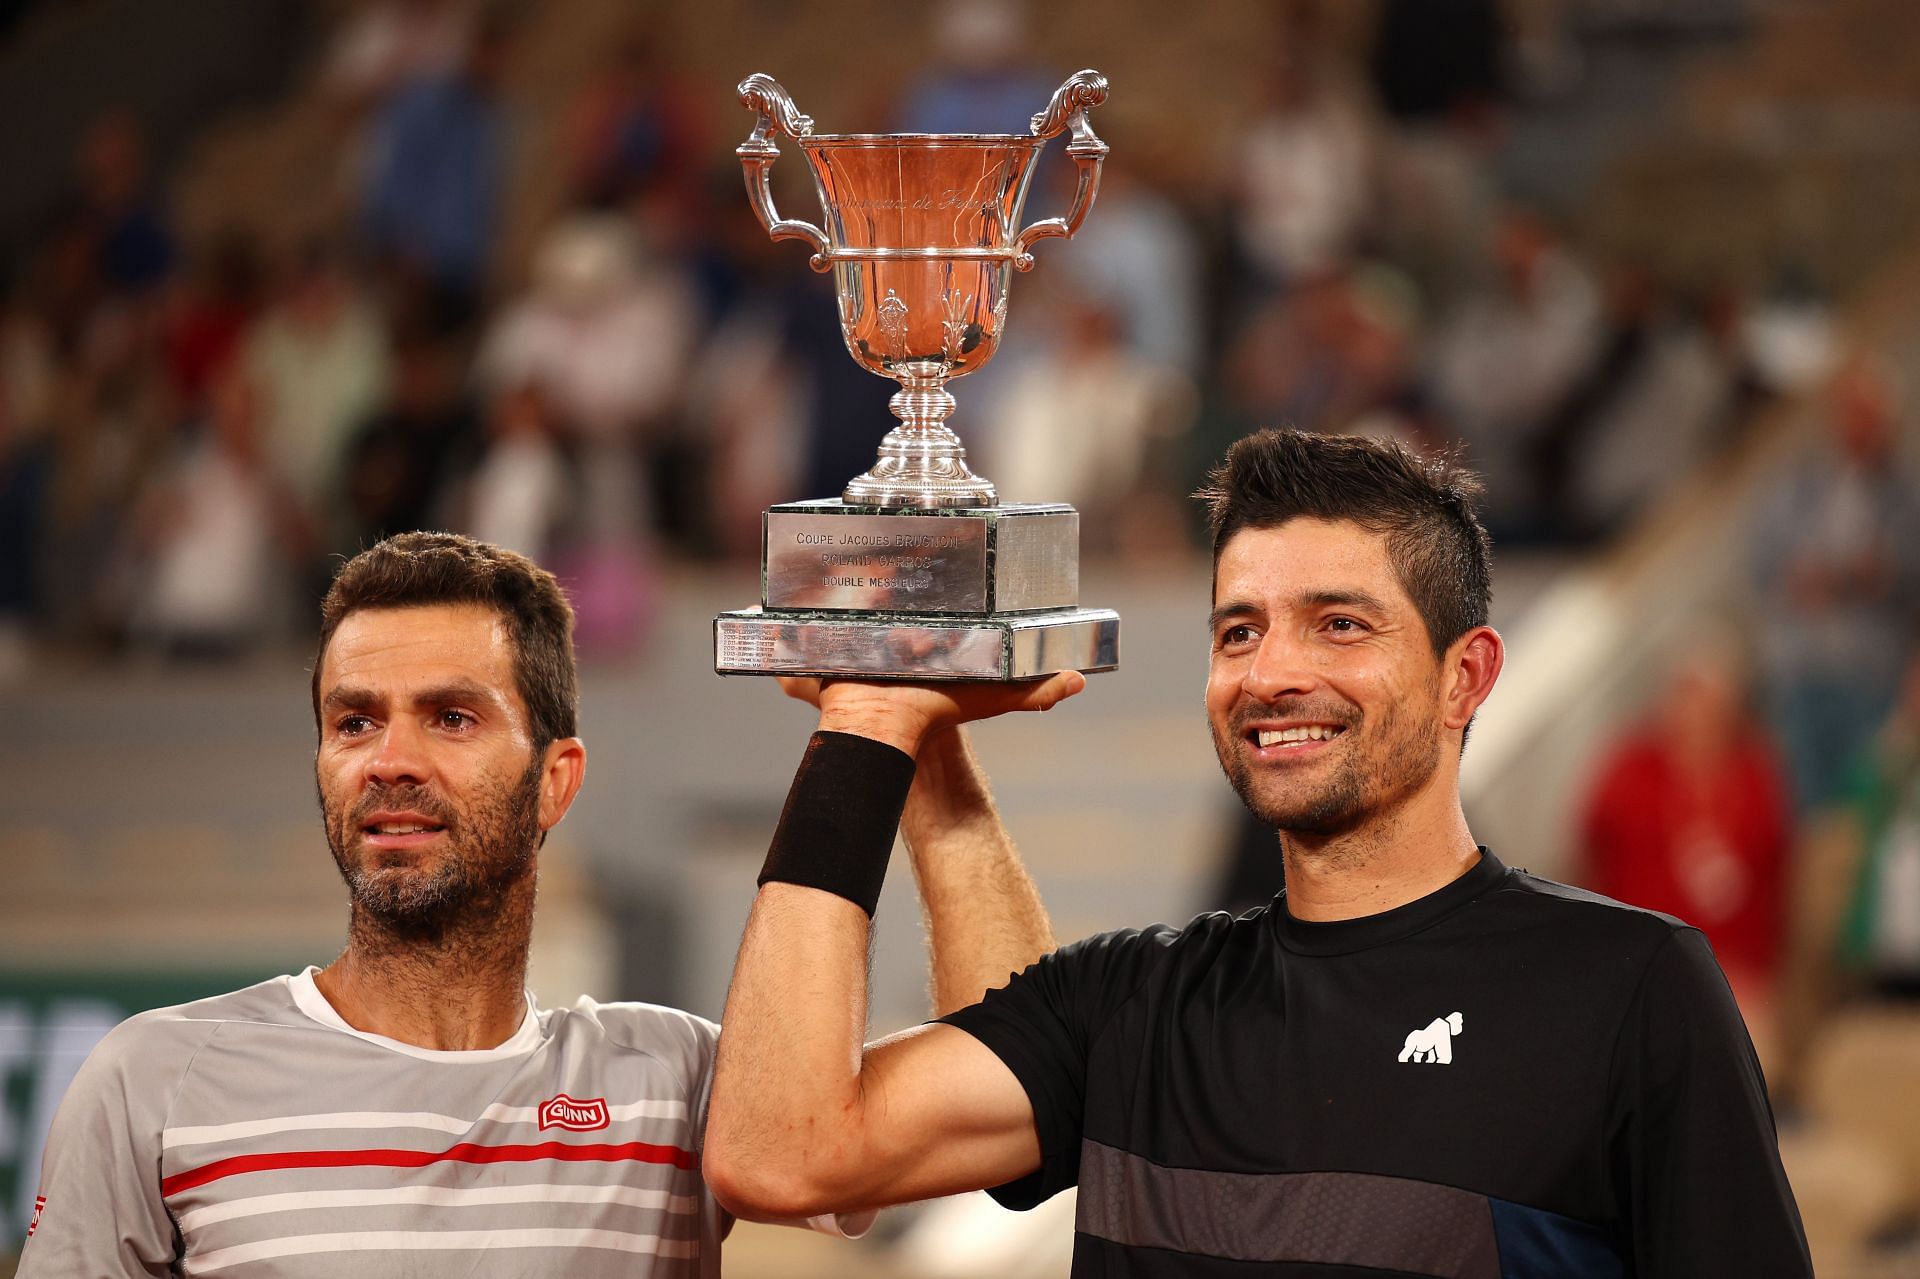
(434, 175)
(606, 328)
(119, 210)
(1509, 357)
(1435, 59)
(607, 332)
(1725, 316)
(26, 407)
(631, 126)
(1880, 937)
(1080, 424)
(1320, 358)
(399, 461)
(844, 407)
(522, 491)
(1303, 173)
(1438, 78)
(1438, 195)
(63, 281)
(1688, 814)
(112, 428)
(386, 44)
(984, 81)
(218, 532)
(208, 311)
(1138, 254)
(559, 501)
(1653, 405)
(747, 396)
(1790, 334)
(318, 358)
(1837, 554)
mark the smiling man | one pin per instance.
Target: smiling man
(1415, 1061)
(408, 1108)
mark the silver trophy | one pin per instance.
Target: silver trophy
(917, 571)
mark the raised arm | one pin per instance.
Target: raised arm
(984, 917)
(804, 1118)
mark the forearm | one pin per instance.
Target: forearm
(785, 1116)
(786, 1078)
(984, 917)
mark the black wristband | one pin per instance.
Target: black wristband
(836, 832)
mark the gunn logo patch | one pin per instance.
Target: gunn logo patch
(579, 1116)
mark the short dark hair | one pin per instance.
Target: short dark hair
(411, 570)
(1424, 505)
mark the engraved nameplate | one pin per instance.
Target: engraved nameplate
(876, 563)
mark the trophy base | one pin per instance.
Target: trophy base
(828, 556)
(751, 641)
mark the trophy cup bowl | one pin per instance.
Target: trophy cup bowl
(923, 235)
(926, 298)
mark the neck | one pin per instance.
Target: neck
(1394, 859)
(450, 986)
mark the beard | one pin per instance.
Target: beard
(488, 848)
(1401, 757)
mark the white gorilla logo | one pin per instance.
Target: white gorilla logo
(1434, 1041)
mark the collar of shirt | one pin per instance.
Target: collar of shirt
(1343, 936)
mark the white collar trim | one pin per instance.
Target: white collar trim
(307, 997)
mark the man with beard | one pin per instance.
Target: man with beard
(1414, 1061)
(409, 1102)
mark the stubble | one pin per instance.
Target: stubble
(1399, 758)
(488, 853)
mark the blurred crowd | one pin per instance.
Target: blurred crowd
(192, 428)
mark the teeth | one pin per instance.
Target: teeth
(1311, 733)
(403, 830)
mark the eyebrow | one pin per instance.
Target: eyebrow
(1344, 598)
(1232, 608)
(1340, 598)
(468, 692)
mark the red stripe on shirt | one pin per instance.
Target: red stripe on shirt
(466, 1152)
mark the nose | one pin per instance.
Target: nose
(1280, 669)
(401, 755)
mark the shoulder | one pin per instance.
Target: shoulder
(1582, 919)
(1108, 969)
(681, 1039)
(149, 1053)
(160, 1033)
(1523, 890)
(1154, 939)
(1121, 952)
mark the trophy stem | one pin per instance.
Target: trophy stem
(922, 462)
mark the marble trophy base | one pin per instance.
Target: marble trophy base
(980, 593)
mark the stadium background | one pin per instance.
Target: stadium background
(283, 274)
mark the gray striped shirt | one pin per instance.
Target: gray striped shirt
(258, 1134)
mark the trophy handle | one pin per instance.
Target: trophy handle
(762, 94)
(1082, 92)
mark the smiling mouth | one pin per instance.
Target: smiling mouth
(402, 828)
(1296, 737)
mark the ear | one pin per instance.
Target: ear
(564, 769)
(1473, 664)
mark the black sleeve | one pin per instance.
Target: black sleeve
(1043, 1024)
(1692, 1135)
